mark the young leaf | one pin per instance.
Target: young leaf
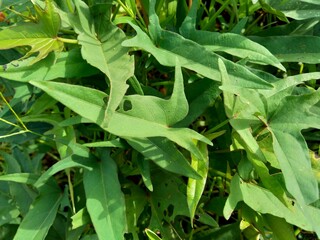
(41, 36)
(105, 201)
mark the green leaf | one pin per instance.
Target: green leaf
(57, 65)
(166, 112)
(196, 187)
(151, 235)
(80, 218)
(230, 43)
(292, 152)
(112, 143)
(41, 36)
(105, 201)
(280, 228)
(42, 213)
(200, 94)
(249, 110)
(165, 154)
(167, 200)
(27, 178)
(244, 107)
(144, 168)
(102, 49)
(8, 210)
(292, 48)
(89, 104)
(85, 101)
(68, 162)
(265, 202)
(136, 200)
(297, 9)
(170, 49)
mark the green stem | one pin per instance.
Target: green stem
(13, 134)
(69, 4)
(66, 40)
(212, 130)
(9, 123)
(14, 113)
(126, 9)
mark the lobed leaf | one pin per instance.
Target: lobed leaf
(89, 104)
(292, 152)
(41, 36)
(285, 124)
(230, 43)
(102, 49)
(265, 202)
(170, 48)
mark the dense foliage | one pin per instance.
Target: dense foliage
(155, 119)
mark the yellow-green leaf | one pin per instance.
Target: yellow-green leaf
(41, 35)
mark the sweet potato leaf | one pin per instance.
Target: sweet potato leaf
(169, 48)
(285, 124)
(292, 116)
(297, 9)
(105, 201)
(41, 35)
(265, 202)
(101, 47)
(56, 65)
(196, 187)
(42, 213)
(147, 124)
(165, 154)
(231, 43)
(288, 48)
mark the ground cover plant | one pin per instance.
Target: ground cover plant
(164, 119)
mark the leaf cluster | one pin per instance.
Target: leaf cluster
(159, 119)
